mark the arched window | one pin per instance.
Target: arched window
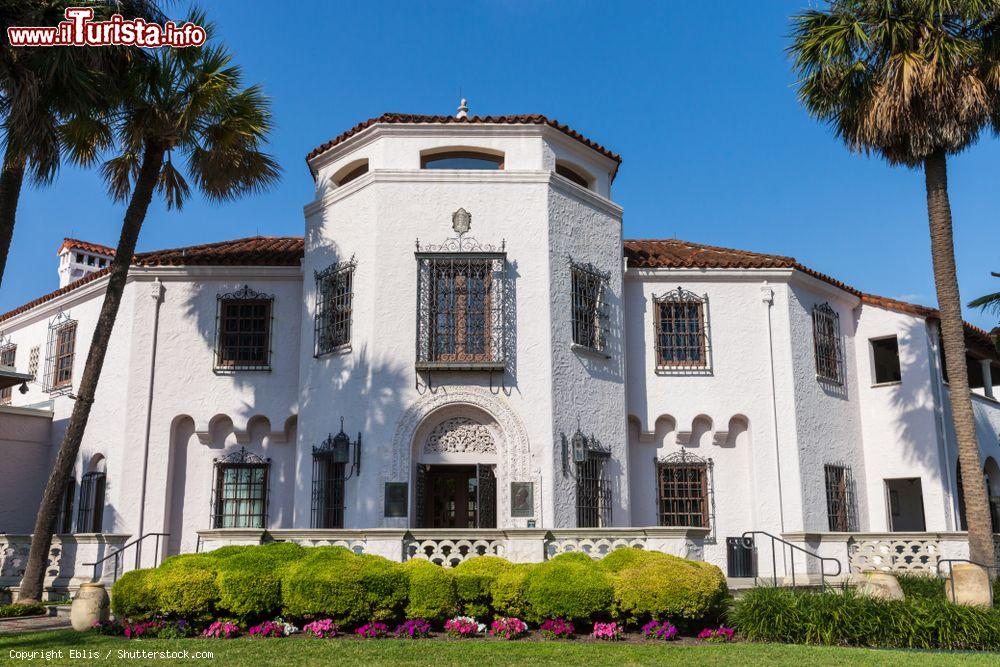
(574, 174)
(461, 159)
(90, 518)
(350, 172)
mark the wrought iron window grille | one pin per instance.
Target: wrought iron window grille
(8, 353)
(90, 518)
(840, 504)
(826, 344)
(462, 308)
(681, 335)
(241, 490)
(593, 491)
(64, 522)
(243, 324)
(684, 490)
(589, 286)
(334, 307)
(60, 354)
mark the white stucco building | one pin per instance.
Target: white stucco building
(509, 371)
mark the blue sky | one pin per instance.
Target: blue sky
(696, 97)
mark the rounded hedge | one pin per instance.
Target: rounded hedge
(474, 579)
(570, 586)
(332, 582)
(667, 587)
(509, 590)
(629, 557)
(250, 579)
(431, 593)
(186, 592)
(133, 596)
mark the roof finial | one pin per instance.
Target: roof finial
(463, 109)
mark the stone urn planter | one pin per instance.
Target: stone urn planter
(969, 584)
(879, 585)
(90, 605)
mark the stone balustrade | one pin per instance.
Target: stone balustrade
(67, 555)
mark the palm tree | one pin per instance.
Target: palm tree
(42, 90)
(183, 101)
(914, 81)
(989, 302)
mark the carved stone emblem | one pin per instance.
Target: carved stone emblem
(460, 434)
(461, 221)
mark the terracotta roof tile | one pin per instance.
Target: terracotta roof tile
(251, 251)
(416, 119)
(77, 244)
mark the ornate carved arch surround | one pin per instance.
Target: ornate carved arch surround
(513, 454)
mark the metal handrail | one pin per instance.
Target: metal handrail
(991, 570)
(750, 542)
(117, 555)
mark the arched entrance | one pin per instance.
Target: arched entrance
(455, 470)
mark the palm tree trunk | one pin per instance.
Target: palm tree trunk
(41, 540)
(11, 178)
(977, 509)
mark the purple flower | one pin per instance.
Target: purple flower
(413, 628)
(267, 629)
(660, 630)
(718, 635)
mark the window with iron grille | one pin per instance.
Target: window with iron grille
(64, 522)
(683, 490)
(680, 319)
(593, 492)
(334, 307)
(7, 355)
(61, 354)
(244, 331)
(826, 343)
(240, 499)
(840, 509)
(460, 310)
(328, 496)
(91, 514)
(590, 309)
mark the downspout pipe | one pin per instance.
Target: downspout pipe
(767, 296)
(156, 292)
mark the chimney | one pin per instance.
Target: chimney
(79, 258)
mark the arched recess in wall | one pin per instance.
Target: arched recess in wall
(182, 431)
(701, 429)
(738, 433)
(663, 427)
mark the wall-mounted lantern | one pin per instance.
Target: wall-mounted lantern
(339, 448)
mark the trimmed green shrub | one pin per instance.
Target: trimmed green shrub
(921, 585)
(203, 561)
(250, 578)
(666, 587)
(509, 590)
(432, 594)
(332, 582)
(17, 610)
(474, 579)
(570, 586)
(133, 596)
(626, 557)
(845, 618)
(189, 593)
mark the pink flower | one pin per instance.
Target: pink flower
(322, 628)
(608, 631)
(222, 630)
(508, 628)
(719, 635)
(557, 628)
(373, 630)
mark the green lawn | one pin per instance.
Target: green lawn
(95, 649)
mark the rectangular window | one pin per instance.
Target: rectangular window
(244, 331)
(885, 358)
(7, 355)
(683, 492)
(240, 491)
(590, 312)
(328, 498)
(334, 307)
(839, 498)
(681, 331)
(593, 492)
(64, 523)
(61, 354)
(826, 344)
(91, 516)
(460, 318)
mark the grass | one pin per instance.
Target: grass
(441, 652)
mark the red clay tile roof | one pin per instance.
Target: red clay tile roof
(77, 244)
(521, 119)
(251, 251)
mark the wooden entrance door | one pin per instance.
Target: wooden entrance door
(459, 497)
